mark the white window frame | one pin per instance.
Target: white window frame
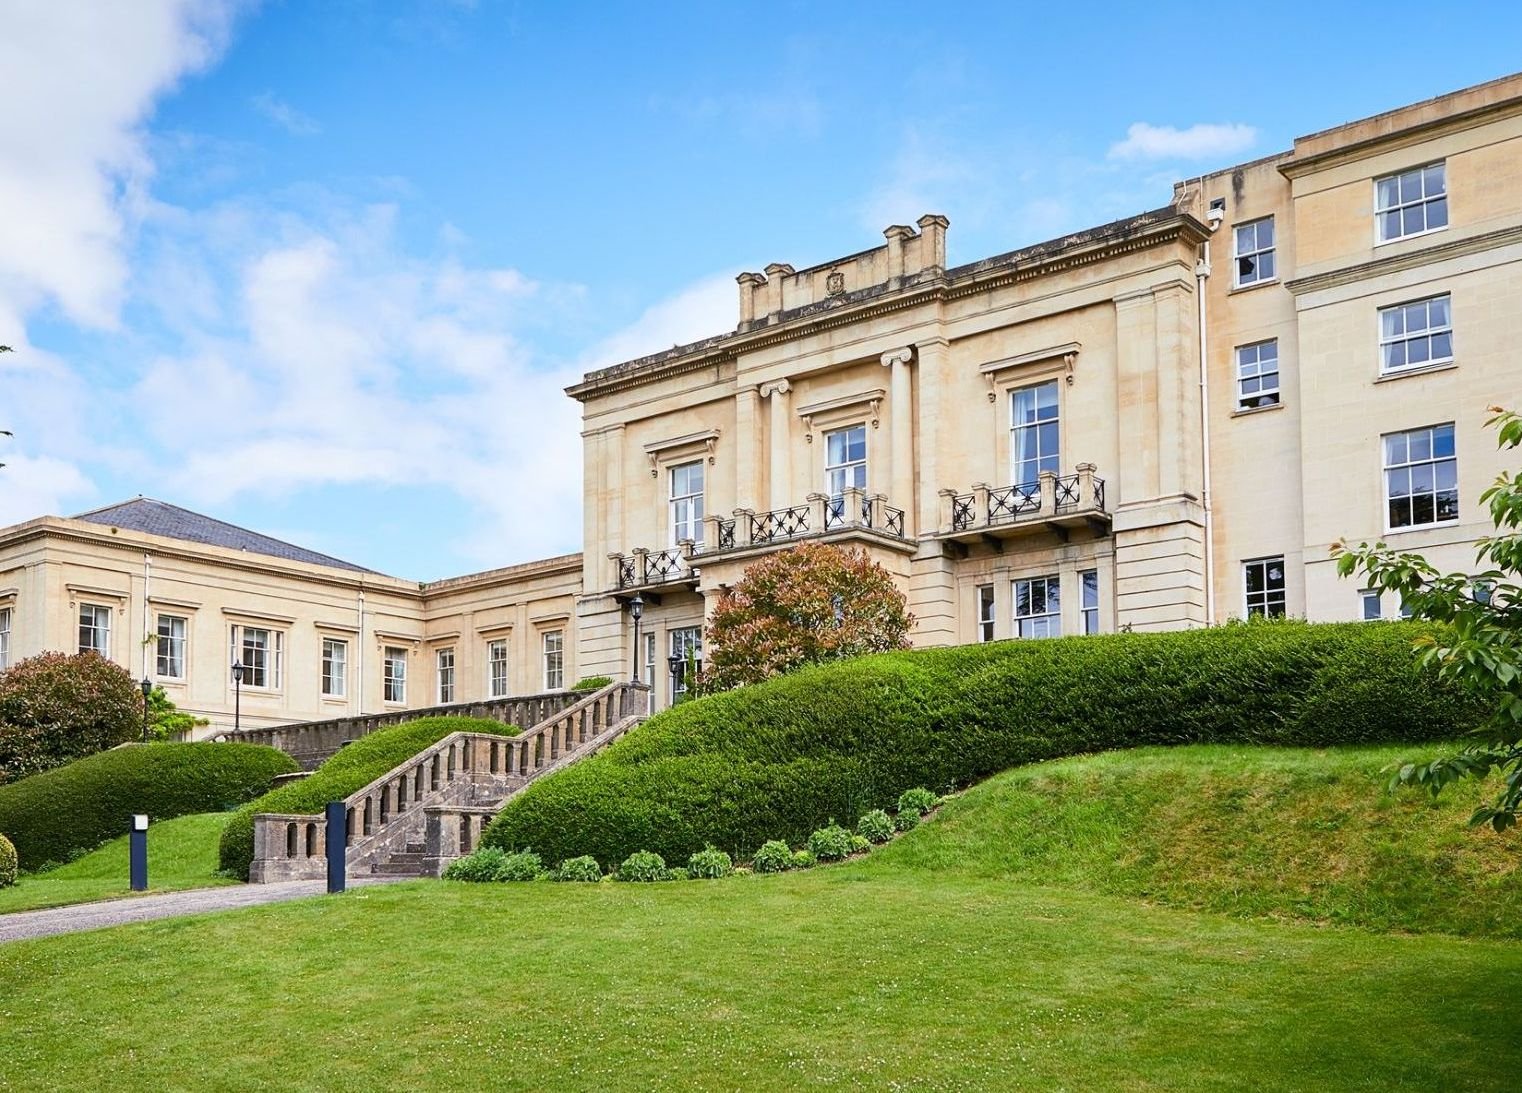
(330, 683)
(652, 675)
(684, 638)
(1260, 603)
(1046, 623)
(169, 648)
(552, 645)
(1407, 337)
(443, 660)
(1368, 597)
(1255, 254)
(272, 664)
(987, 612)
(1432, 460)
(100, 635)
(5, 638)
(1043, 460)
(1088, 599)
(686, 506)
(1423, 200)
(1253, 401)
(496, 668)
(394, 675)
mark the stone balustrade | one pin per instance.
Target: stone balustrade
(311, 742)
(462, 775)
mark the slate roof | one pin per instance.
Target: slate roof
(160, 518)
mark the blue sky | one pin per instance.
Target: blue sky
(323, 269)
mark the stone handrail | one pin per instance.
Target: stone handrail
(310, 742)
(464, 769)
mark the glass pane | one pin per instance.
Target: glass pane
(1269, 351)
(1423, 509)
(1437, 213)
(1395, 355)
(1090, 585)
(1392, 323)
(835, 448)
(1437, 312)
(1022, 598)
(1400, 512)
(1387, 192)
(1410, 186)
(1434, 182)
(1395, 449)
(1422, 478)
(1254, 573)
(1053, 595)
(1420, 444)
(1442, 441)
(1266, 234)
(1446, 475)
(1246, 268)
(1412, 220)
(1245, 239)
(1266, 266)
(1448, 506)
(1418, 350)
(1398, 482)
(1389, 225)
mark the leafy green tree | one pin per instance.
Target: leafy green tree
(166, 721)
(1480, 644)
(802, 605)
(56, 708)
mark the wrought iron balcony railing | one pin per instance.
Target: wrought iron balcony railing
(1053, 499)
(820, 515)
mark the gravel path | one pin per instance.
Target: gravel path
(20, 925)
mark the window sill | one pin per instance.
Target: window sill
(1235, 289)
(1250, 410)
(1423, 527)
(1423, 370)
(1407, 238)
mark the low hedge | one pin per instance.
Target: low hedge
(779, 759)
(352, 768)
(60, 812)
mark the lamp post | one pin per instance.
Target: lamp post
(636, 612)
(237, 693)
(674, 662)
(147, 691)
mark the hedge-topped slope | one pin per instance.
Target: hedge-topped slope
(1281, 832)
(353, 768)
(79, 806)
(776, 760)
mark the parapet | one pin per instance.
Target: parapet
(906, 254)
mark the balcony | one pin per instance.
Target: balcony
(854, 514)
(1055, 503)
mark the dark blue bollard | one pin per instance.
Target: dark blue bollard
(137, 847)
(337, 844)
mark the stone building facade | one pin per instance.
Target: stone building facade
(1157, 423)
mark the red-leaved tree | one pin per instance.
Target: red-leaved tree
(800, 606)
(56, 708)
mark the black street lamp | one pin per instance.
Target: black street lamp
(147, 690)
(674, 662)
(636, 612)
(237, 692)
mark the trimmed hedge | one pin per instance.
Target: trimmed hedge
(8, 863)
(778, 759)
(353, 768)
(60, 812)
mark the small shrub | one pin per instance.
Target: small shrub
(709, 864)
(830, 843)
(56, 708)
(642, 866)
(860, 844)
(479, 868)
(583, 869)
(8, 863)
(875, 826)
(591, 683)
(907, 820)
(801, 859)
(918, 800)
(678, 873)
(773, 857)
(519, 866)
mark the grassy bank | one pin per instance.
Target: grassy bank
(182, 853)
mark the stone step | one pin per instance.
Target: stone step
(398, 869)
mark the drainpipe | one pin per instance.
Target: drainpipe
(1201, 273)
(359, 657)
(148, 628)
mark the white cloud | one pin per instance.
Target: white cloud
(1201, 141)
(34, 486)
(285, 115)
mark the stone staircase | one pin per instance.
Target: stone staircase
(417, 818)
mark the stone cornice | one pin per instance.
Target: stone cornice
(933, 285)
(1298, 166)
(1411, 259)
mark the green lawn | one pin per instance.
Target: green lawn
(970, 954)
(182, 853)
